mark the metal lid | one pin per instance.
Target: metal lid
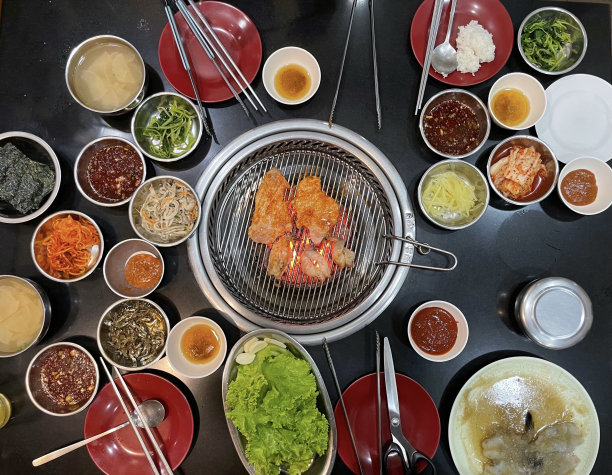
(555, 312)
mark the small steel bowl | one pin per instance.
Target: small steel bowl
(470, 100)
(75, 58)
(135, 218)
(46, 307)
(148, 109)
(34, 387)
(96, 251)
(548, 159)
(82, 163)
(470, 174)
(37, 150)
(114, 266)
(107, 353)
(578, 48)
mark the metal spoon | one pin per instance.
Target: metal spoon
(152, 410)
(444, 56)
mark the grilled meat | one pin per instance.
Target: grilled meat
(271, 217)
(315, 210)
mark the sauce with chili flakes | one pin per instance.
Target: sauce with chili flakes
(142, 271)
(434, 330)
(200, 344)
(579, 187)
(68, 376)
(452, 128)
(115, 172)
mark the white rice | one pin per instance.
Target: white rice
(474, 46)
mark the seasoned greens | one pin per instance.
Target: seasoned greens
(273, 403)
(170, 130)
(23, 182)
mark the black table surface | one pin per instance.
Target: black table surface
(498, 255)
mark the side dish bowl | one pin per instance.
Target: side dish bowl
(449, 128)
(151, 110)
(541, 188)
(570, 54)
(36, 373)
(39, 151)
(321, 464)
(603, 178)
(39, 253)
(468, 175)
(138, 216)
(533, 91)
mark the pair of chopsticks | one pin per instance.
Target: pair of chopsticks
(128, 413)
(215, 51)
(374, 62)
(433, 33)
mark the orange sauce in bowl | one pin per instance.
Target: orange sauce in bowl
(434, 330)
(142, 271)
(579, 187)
(200, 344)
(292, 82)
(510, 106)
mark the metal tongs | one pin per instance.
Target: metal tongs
(422, 248)
(399, 444)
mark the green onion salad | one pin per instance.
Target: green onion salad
(170, 130)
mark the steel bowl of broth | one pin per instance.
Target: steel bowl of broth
(107, 75)
(291, 75)
(25, 317)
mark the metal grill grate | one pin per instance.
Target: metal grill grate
(241, 264)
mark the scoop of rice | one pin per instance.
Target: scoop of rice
(474, 46)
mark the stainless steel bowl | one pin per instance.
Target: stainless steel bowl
(135, 219)
(546, 154)
(574, 52)
(82, 163)
(470, 174)
(96, 251)
(107, 352)
(321, 464)
(38, 150)
(114, 266)
(46, 306)
(148, 109)
(75, 57)
(34, 388)
(470, 100)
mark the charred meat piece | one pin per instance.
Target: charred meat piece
(280, 257)
(315, 265)
(341, 256)
(315, 210)
(271, 217)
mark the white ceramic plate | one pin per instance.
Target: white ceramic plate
(511, 382)
(578, 118)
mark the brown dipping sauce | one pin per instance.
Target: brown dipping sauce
(292, 82)
(142, 271)
(115, 172)
(579, 187)
(452, 128)
(200, 344)
(68, 376)
(434, 330)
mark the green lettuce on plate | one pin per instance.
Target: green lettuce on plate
(273, 403)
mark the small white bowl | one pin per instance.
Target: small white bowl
(177, 360)
(284, 57)
(462, 331)
(603, 176)
(533, 90)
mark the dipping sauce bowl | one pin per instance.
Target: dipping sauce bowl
(291, 75)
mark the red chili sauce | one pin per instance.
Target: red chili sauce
(434, 330)
(115, 172)
(579, 187)
(452, 128)
(142, 271)
(68, 376)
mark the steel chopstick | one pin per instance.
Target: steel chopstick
(214, 36)
(376, 93)
(433, 33)
(195, 30)
(348, 424)
(147, 429)
(129, 416)
(215, 53)
(179, 45)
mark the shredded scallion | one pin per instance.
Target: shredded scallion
(170, 130)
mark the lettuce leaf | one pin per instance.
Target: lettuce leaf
(273, 403)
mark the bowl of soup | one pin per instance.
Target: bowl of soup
(26, 314)
(106, 74)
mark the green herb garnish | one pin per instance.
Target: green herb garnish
(544, 41)
(170, 130)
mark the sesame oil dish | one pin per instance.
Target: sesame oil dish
(292, 82)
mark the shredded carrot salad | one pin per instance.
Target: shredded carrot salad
(63, 246)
